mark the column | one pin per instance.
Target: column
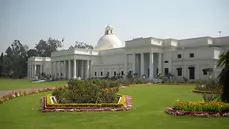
(40, 69)
(51, 68)
(54, 69)
(35, 69)
(87, 69)
(151, 64)
(59, 68)
(82, 69)
(159, 62)
(69, 69)
(64, 69)
(134, 63)
(91, 69)
(27, 71)
(32, 70)
(30, 74)
(126, 65)
(74, 68)
(142, 65)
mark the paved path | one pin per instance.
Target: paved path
(4, 92)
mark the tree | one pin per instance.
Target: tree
(81, 45)
(16, 58)
(1, 64)
(45, 48)
(32, 52)
(223, 62)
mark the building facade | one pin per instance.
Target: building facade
(147, 57)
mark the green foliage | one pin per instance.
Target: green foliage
(89, 91)
(81, 45)
(15, 60)
(202, 106)
(1, 64)
(45, 48)
(223, 62)
(61, 94)
(211, 97)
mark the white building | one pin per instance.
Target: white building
(145, 56)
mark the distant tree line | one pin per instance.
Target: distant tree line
(13, 63)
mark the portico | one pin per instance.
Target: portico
(70, 69)
(146, 64)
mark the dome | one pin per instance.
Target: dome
(108, 40)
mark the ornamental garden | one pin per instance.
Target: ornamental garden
(135, 103)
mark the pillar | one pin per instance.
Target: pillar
(54, 69)
(59, 68)
(35, 69)
(82, 69)
(142, 64)
(159, 62)
(64, 69)
(69, 69)
(51, 68)
(151, 64)
(27, 71)
(40, 69)
(126, 65)
(74, 68)
(87, 69)
(30, 71)
(134, 63)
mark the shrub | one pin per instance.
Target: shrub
(89, 91)
(202, 106)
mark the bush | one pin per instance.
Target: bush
(202, 106)
(89, 91)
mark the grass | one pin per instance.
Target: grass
(11, 84)
(149, 104)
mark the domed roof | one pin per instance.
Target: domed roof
(108, 40)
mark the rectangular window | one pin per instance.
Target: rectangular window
(166, 62)
(179, 56)
(205, 72)
(122, 73)
(95, 73)
(166, 70)
(101, 73)
(191, 55)
(114, 73)
(179, 71)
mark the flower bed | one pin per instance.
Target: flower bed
(147, 84)
(16, 94)
(125, 104)
(195, 113)
(205, 109)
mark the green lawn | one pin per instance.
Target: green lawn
(10, 84)
(149, 104)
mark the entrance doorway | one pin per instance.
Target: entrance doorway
(191, 72)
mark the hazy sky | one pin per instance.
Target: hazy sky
(85, 20)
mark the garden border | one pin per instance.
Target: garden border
(175, 112)
(125, 102)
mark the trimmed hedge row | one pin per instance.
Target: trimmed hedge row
(125, 104)
(48, 103)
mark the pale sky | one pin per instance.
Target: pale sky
(85, 20)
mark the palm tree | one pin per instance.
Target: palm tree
(223, 62)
